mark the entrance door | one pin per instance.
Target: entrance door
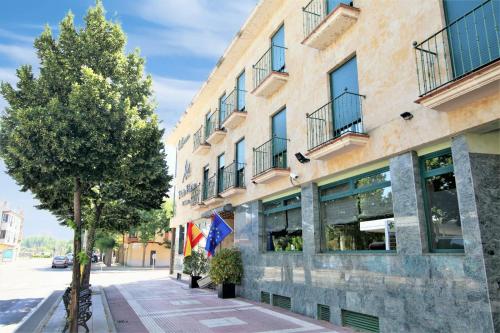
(279, 159)
(278, 50)
(345, 105)
(472, 38)
(152, 255)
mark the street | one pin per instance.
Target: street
(26, 282)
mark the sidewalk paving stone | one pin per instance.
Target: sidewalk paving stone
(167, 305)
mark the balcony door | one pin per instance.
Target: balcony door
(220, 173)
(279, 140)
(332, 4)
(472, 38)
(206, 170)
(222, 109)
(278, 50)
(240, 163)
(346, 111)
(240, 92)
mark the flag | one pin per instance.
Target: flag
(194, 235)
(218, 231)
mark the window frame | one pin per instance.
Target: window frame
(350, 192)
(424, 175)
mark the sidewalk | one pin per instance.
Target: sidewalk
(166, 305)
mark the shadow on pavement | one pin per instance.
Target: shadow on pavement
(13, 311)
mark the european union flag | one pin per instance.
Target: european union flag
(218, 231)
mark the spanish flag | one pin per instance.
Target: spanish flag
(194, 235)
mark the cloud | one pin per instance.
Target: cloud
(15, 36)
(19, 54)
(173, 96)
(201, 28)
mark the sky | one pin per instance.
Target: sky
(180, 39)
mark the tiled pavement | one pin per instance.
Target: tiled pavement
(167, 305)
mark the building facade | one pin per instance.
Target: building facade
(355, 149)
(156, 251)
(11, 232)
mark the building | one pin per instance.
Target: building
(11, 232)
(355, 148)
(157, 251)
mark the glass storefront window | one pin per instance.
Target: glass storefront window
(283, 224)
(357, 214)
(441, 203)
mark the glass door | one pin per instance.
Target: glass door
(345, 99)
(278, 50)
(220, 173)
(205, 183)
(279, 140)
(240, 163)
(240, 92)
(222, 110)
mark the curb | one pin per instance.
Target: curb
(107, 311)
(47, 306)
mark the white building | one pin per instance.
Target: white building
(11, 232)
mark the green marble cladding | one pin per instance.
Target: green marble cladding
(411, 290)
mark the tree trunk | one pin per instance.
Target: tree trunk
(90, 245)
(77, 245)
(109, 257)
(144, 245)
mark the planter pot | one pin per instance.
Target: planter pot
(194, 281)
(226, 290)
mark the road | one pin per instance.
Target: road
(26, 282)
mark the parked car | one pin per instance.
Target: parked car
(70, 258)
(60, 261)
(95, 258)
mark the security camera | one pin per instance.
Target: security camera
(294, 176)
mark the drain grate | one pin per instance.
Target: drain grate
(360, 321)
(282, 301)
(323, 312)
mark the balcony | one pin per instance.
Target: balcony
(323, 27)
(196, 201)
(214, 131)
(336, 127)
(132, 239)
(235, 109)
(233, 180)
(210, 195)
(461, 60)
(270, 161)
(269, 73)
(199, 145)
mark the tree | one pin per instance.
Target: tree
(69, 130)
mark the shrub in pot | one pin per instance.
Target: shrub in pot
(226, 270)
(195, 265)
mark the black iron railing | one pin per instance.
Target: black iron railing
(231, 103)
(341, 115)
(315, 12)
(271, 154)
(233, 176)
(272, 61)
(198, 138)
(212, 123)
(196, 195)
(210, 188)
(465, 45)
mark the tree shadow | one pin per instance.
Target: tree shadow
(13, 311)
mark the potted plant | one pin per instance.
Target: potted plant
(226, 270)
(195, 265)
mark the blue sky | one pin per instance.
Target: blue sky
(181, 40)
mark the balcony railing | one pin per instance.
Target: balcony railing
(198, 138)
(210, 188)
(272, 154)
(272, 61)
(212, 124)
(233, 176)
(314, 13)
(196, 195)
(235, 101)
(342, 115)
(465, 45)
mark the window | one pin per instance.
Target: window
(357, 213)
(346, 106)
(222, 108)
(206, 170)
(278, 50)
(332, 4)
(283, 224)
(240, 163)
(441, 203)
(5, 217)
(240, 91)
(180, 249)
(279, 144)
(220, 173)
(2, 234)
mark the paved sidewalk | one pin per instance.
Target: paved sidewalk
(166, 305)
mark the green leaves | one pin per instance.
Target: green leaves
(226, 266)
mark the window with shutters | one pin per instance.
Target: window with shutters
(283, 224)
